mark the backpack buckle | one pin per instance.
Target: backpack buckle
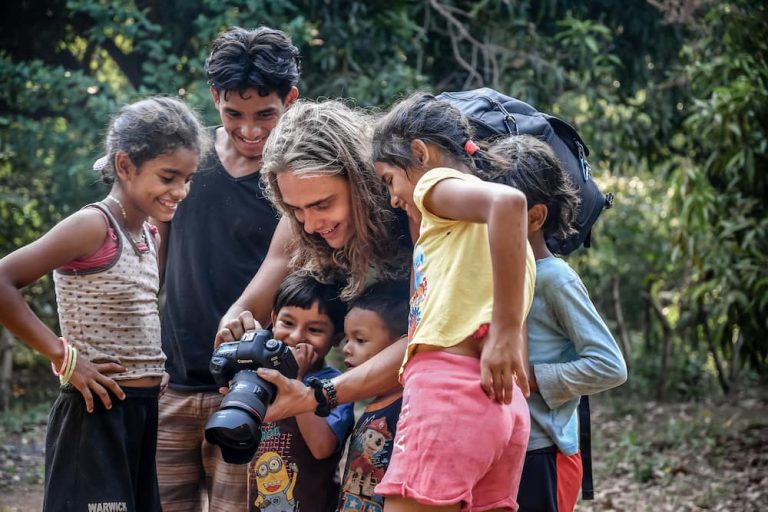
(507, 118)
(586, 169)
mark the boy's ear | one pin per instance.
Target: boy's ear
(273, 317)
(293, 95)
(537, 216)
(215, 95)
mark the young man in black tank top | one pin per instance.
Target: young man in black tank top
(217, 241)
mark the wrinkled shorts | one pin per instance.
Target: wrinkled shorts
(454, 444)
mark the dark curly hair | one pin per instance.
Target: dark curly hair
(264, 59)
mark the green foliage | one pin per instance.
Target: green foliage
(671, 102)
(720, 181)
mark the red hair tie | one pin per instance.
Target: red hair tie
(470, 147)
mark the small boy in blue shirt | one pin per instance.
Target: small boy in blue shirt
(570, 350)
(376, 319)
(296, 465)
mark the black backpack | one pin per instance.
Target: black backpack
(493, 114)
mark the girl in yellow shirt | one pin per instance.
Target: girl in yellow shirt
(456, 447)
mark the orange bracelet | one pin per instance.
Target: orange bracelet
(63, 367)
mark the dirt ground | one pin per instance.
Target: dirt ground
(649, 456)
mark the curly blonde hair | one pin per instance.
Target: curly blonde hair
(331, 139)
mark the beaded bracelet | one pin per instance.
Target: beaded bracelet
(63, 367)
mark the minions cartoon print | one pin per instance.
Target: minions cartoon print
(273, 483)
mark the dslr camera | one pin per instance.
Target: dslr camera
(235, 426)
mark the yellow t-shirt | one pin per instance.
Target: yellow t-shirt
(452, 274)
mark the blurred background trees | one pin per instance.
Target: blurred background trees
(670, 95)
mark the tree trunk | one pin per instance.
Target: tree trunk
(735, 356)
(619, 312)
(724, 384)
(666, 345)
(648, 324)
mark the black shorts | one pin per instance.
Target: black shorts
(550, 482)
(104, 460)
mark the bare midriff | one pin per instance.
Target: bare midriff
(470, 346)
(141, 382)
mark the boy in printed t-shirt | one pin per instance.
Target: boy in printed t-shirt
(296, 465)
(375, 320)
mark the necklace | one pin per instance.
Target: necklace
(142, 239)
(118, 203)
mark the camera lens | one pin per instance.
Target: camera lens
(235, 426)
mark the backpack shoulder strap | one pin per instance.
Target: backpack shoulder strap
(585, 445)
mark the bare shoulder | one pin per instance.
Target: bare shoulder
(78, 236)
(87, 222)
(81, 234)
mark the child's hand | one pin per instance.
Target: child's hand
(90, 378)
(502, 362)
(305, 356)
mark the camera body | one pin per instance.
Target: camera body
(235, 427)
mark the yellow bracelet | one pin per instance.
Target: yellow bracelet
(71, 363)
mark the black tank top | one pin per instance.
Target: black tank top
(217, 241)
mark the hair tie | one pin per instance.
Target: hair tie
(470, 147)
(101, 163)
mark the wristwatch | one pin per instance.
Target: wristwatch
(325, 394)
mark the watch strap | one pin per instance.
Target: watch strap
(323, 407)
